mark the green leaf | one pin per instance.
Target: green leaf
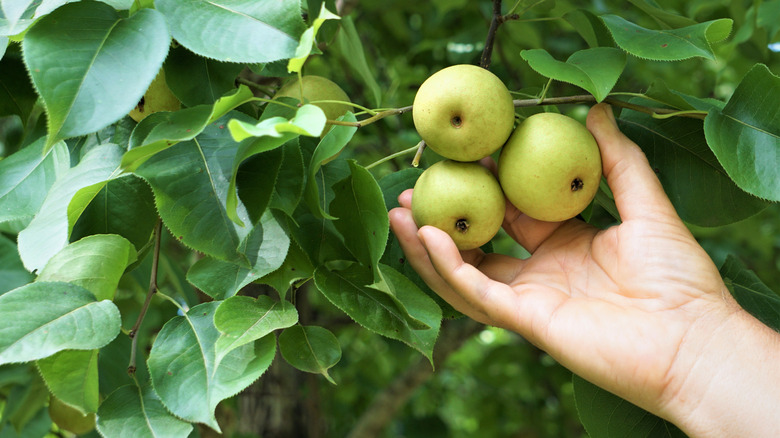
(606, 415)
(290, 181)
(363, 220)
(660, 92)
(745, 135)
(309, 120)
(265, 248)
(668, 45)
(162, 130)
(378, 311)
(12, 272)
(595, 70)
(330, 145)
(271, 133)
(244, 319)
(296, 266)
(256, 179)
(751, 293)
(295, 64)
(114, 358)
(698, 186)
(17, 95)
(50, 229)
(95, 263)
(766, 17)
(266, 245)
(183, 357)
(123, 206)
(23, 404)
(132, 411)
(190, 184)
(351, 49)
(196, 80)
(26, 177)
(319, 239)
(590, 27)
(14, 11)
(16, 17)
(243, 31)
(72, 376)
(90, 66)
(664, 17)
(310, 348)
(40, 319)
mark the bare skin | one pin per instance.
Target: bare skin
(638, 309)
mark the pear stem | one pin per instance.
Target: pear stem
(420, 148)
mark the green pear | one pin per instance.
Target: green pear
(463, 112)
(550, 168)
(69, 418)
(462, 199)
(158, 97)
(318, 88)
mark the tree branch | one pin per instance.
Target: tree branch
(152, 290)
(587, 98)
(389, 402)
(495, 21)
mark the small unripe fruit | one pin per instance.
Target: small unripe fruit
(550, 168)
(69, 418)
(158, 97)
(462, 199)
(463, 112)
(317, 88)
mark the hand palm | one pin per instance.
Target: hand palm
(601, 295)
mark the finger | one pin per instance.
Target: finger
(528, 232)
(404, 228)
(405, 198)
(518, 310)
(638, 192)
(475, 256)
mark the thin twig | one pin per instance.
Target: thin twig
(654, 111)
(152, 290)
(587, 98)
(268, 91)
(378, 116)
(395, 155)
(495, 21)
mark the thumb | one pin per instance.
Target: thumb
(638, 192)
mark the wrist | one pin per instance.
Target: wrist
(725, 381)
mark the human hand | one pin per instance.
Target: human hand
(630, 308)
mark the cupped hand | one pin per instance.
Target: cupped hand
(621, 307)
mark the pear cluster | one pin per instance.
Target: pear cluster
(549, 166)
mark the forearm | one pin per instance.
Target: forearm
(732, 387)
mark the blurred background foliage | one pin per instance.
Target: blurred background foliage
(494, 384)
